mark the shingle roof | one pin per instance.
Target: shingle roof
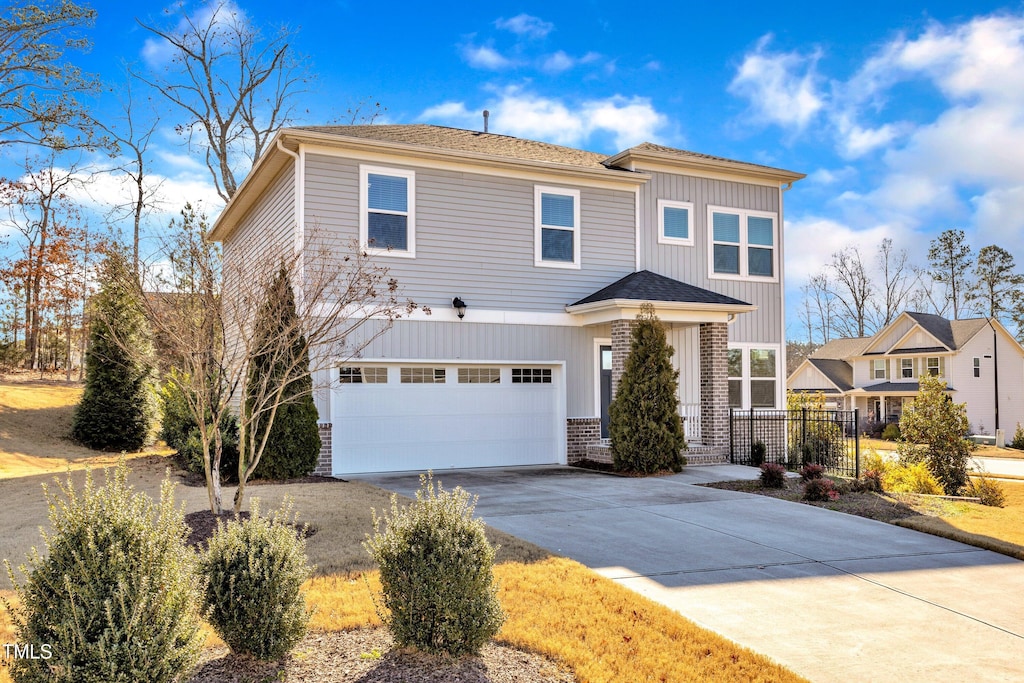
(685, 154)
(838, 372)
(442, 137)
(647, 286)
(963, 330)
(935, 325)
(846, 347)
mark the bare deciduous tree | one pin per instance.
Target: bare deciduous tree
(820, 310)
(853, 290)
(897, 283)
(346, 301)
(235, 87)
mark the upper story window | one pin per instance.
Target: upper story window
(743, 244)
(557, 224)
(675, 223)
(977, 367)
(387, 220)
(933, 366)
(906, 368)
(878, 368)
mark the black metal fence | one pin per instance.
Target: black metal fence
(830, 438)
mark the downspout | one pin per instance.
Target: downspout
(995, 370)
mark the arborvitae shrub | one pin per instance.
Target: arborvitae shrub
(773, 475)
(191, 451)
(643, 418)
(822, 489)
(758, 452)
(436, 569)
(255, 569)
(116, 595)
(1018, 438)
(118, 407)
(293, 445)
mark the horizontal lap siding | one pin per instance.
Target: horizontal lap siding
(690, 264)
(448, 341)
(475, 237)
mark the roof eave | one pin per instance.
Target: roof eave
(597, 312)
(698, 163)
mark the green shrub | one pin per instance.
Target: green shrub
(118, 407)
(933, 430)
(191, 451)
(912, 477)
(758, 453)
(643, 419)
(436, 569)
(891, 432)
(254, 570)
(773, 476)
(176, 419)
(1018, 438)
(988, 490)
(822, 489)
(116, 595)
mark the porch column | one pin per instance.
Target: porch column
(622, 337)
(714, 385)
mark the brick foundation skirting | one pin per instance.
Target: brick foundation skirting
(324, 466)
(579, 433)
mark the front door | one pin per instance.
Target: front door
(606, 387)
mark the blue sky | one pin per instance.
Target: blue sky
(908, 118)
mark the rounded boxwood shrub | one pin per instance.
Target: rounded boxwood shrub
(436, 569)
(255, 569)
(117, 595)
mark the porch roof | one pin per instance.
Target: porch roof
(675, 301)
(892, 388)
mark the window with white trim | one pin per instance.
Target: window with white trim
(743, 244)
(531, 375)
(557, 227)
(907, 368)
(387, 219)
(675, 223)
(932, 366)
(753, 376)
(977, 366)
(479, 375)
(422, 376)
(879, 368)
(353, 375)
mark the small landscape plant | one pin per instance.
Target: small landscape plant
(891, 432)
(1018, 438)
(255, 569)
(913, 477)
(116, 595)
(988, 490)
(871, 480)
(773, 475)
(758, 453)
(933, 430)
(821, 489)
(811, 471)
(436, 570)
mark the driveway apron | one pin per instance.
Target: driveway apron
(832, 596)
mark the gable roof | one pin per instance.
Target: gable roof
(964, 330)
(647, 286)
(844, 347)
(936, 326)
(953, 334)
(839, 372)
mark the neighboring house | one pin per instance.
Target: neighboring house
(982, 363)
(552, 250)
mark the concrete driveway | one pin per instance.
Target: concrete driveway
(832, 596)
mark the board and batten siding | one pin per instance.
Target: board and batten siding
(809, 378)
(979, 392)
(690, 264)
(475, 237)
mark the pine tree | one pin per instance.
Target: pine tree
(118, 409)
(644, 425)
(293, 444)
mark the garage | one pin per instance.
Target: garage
(401, 416)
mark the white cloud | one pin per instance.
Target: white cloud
(515, 111)
(781, 87)
(811, 241)
(526, 26)
(485, 57)
(558, 62)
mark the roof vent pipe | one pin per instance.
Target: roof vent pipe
(487, 115)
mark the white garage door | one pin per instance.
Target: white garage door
(399, 417)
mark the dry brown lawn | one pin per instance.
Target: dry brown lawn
(556, 607)
(981, 451)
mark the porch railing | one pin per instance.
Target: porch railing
(690, 412)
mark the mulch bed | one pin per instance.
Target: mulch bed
(608, 468)
(203, 523)
(369, 656)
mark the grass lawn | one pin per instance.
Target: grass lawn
(556, 607)
(981, 451)
(992, 528)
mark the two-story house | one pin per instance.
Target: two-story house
(982, 363)
(550, 251)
